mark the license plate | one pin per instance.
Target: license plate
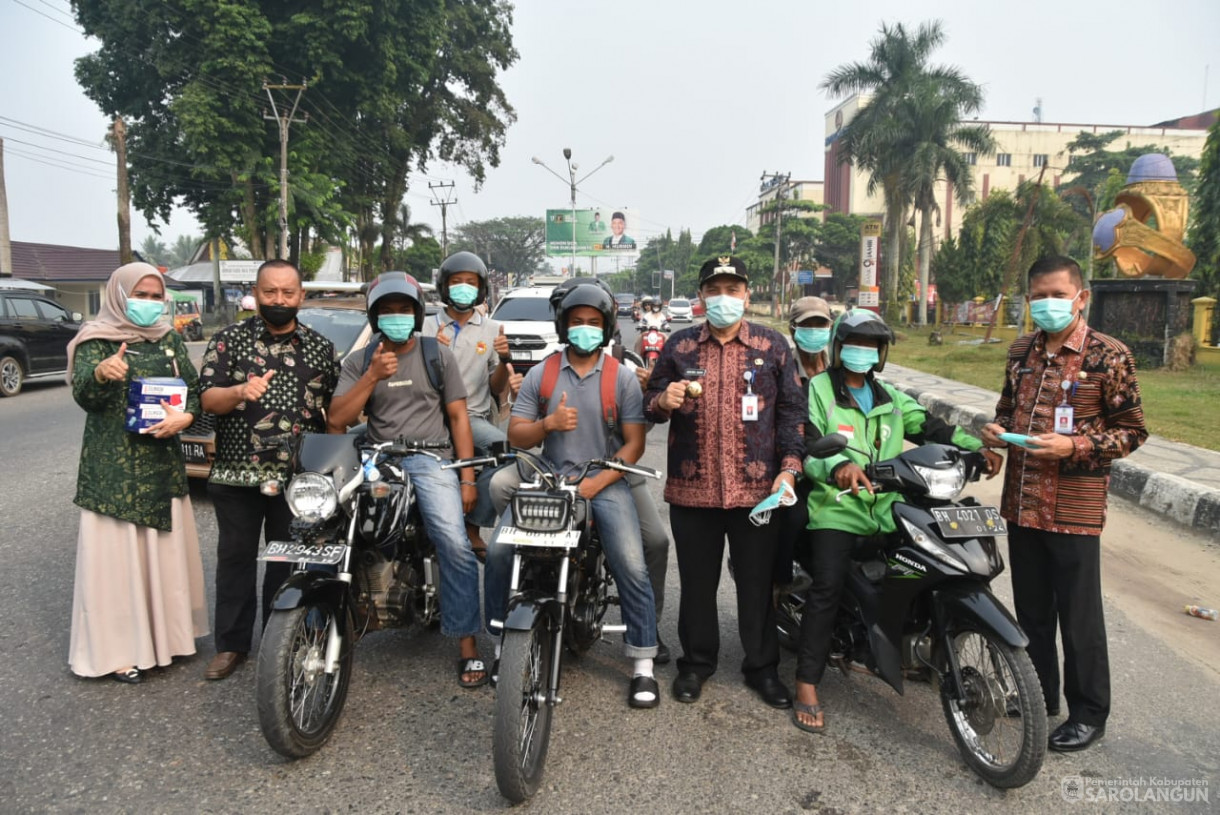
(520, 356)
(302, 553)
(969, 522)
(194, 451)
(512, 536)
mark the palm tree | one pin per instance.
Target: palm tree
(906, 136)
(933, 111)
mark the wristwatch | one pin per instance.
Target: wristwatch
(795, 473)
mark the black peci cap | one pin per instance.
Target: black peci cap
(723, 265)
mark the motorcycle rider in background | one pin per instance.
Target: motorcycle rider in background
(395, 394)
(876, 418)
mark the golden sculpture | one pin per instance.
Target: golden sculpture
(1143, 233)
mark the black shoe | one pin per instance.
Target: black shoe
(131, 676)
(1072, 736)
(772, 691)
(687, 687)
(662, 657)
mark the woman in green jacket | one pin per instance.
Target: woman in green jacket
(876, 418)
(138, 599)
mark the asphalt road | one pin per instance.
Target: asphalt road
(412, 741)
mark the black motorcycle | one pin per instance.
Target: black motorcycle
(560, 590)
(919, 603)
(363, 564)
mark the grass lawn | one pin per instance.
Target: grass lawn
(1181, 406)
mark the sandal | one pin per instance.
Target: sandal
(131, 676)
(808, 710)
(637, 692)
(472, 665)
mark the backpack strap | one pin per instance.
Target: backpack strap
(550, 377)
(610, 365)
(609, 381)
(434, 365)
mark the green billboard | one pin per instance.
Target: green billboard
(597, 233)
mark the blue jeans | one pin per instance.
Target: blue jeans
(485, 435)
(440, 504)
(615, 515)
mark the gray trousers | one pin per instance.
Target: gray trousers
(652, 528)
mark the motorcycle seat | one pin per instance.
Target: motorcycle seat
(868, 548)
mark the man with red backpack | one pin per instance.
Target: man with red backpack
(576, 422)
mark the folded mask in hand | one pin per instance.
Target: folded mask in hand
(785, 496)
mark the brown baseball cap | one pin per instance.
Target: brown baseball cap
(807, 307)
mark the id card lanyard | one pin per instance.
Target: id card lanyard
(749, 401)
(1064, 414)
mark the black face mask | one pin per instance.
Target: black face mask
(277, 316)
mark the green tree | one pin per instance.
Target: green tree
(838, 249)
(514, 245)
(908, 135)
(393, 85)
(155, 251)
(182, 250)
(973, 264)
(420, 258)
(1204, 236)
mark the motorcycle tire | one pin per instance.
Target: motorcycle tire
(521, 732)
(299, 704)
(999, 725)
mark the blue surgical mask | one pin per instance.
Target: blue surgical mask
(811, 340)
(859, 358)
(586, 338)
(1052, 314)
(396, 327)
(724, 310)
(144, 312)
(463, 295)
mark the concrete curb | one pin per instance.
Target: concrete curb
(1179, 499)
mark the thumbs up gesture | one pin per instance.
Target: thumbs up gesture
(563, 419)
(384, 363)
(514, 381)
(113, 368)
(501, 346)
(256, 386)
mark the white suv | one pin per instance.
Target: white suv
(529, 325)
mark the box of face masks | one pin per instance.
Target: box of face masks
(144, 398)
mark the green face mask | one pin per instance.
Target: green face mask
(811, 340)
(585, 338)
(396, 327)
(463, 295)
(144, 312)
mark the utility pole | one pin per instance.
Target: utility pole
(779, 181)
(284, 123)
(118, 134)
(444, 203)
(6, 246)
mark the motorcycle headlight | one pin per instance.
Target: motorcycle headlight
(540, 512)
(943, 485)
(934, 547)
(312, 497)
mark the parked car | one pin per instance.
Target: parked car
(341, 320)
(696, 307)
(529, 324)
(34, 337)
(679, 310)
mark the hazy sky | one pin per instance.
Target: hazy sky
(693, 99)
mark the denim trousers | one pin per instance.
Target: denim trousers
(614, 513)
(440, 504)
(485, 435)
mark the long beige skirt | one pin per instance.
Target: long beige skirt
(139, 593)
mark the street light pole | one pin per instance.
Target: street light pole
(572, 183)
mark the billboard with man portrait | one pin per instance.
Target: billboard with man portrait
(595, 232)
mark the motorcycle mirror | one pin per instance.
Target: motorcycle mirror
(829, 445)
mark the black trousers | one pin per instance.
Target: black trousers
(829, 559)
(790, 523)
(699, 536)
(243, 515)
(1056, 584)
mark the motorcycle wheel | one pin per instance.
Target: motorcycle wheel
(298, 702)
(999, 724)
(521, 733)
